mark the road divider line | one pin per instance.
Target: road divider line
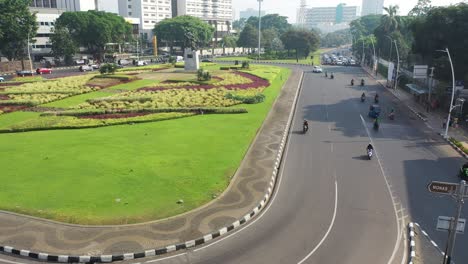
(329, 227)
(397, 242)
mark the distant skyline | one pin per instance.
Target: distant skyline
(289, 8)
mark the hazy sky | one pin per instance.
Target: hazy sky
(288, 7)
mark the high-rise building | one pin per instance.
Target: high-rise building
(250, 12)
(68, 5)
(150, 12)
(342, 14)
(111, 6)
(372, 7)
(217, 13)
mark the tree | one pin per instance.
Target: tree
(277, 45)
(16, 23)
(229, 41)
(62, 44)
(390, 21)
(365, 25)
(239, 24)
(268, 35)
(421, 8)
(174, 31)
(271, 21)
(443, 27)
(248, 38)
(335, 39)
(94, 29)
(302, 41)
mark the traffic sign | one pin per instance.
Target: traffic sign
(443, 224)
(442, 187)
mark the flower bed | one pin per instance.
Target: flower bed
(12, 108)
(231, 81)
(4, 97)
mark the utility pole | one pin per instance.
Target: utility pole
(29, 56)
(453, 230)
(259, 25)
(431, 84)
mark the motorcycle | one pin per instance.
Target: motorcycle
(391, 116)
(370, 152)
(332, 76)
(352, 82)
(362, 82)
(363, 98)
(376, 125)
(305, 128)
(376, 100)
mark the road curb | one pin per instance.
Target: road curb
(426, 235)
(184, 245)
(455, 147)
(412, 243)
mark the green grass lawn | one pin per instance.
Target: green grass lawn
(76, 100)
(126, 173)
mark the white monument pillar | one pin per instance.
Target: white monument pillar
(192, 60)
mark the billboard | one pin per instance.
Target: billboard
(420, 72)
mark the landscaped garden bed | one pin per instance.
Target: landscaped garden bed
(152, 148)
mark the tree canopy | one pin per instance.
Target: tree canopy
(335, 39)
(94, 29)
(248, 37)
(421, 9)
(300, 40)
(271, 21)
(16, 23)
(174, 31)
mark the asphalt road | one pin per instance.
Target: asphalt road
(331, 204)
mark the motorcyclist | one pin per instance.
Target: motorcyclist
(391, 115)
(376, 98)
(326, 74)
(352, 82)
(370, 147)
(305, 125)
(362, 82)
(331, 76)
(363, 97)
(376, 123)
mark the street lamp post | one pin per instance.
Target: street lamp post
(29, 55)
(398, 65)
(259, 25)
(374, 59)
(453, 91)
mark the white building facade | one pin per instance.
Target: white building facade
(217, 13)
(370, 7)
(328, 17)
(150, 12)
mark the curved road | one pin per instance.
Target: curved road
(331, 204)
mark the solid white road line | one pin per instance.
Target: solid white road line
(156, 260)
(397, 242)
(329, 227)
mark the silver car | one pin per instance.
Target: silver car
(317, 69)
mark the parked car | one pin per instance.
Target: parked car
(317, 69)
(44, 71)
(207, 60)
(84, 68)
(141, 63)
(124, 62)
(24, 73)
(2, 79)
(352, 62)
(95, 66)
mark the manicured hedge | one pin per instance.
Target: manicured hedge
(258, 98)
(116, 76)
(207, 110)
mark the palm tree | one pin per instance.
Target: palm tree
(390, 21)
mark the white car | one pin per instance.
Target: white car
(2, 79)
(339, 62)
(317, 69)
(141, 63)
(84, 68)
(352, 62)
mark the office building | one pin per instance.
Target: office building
(68, 5)
(250, 12)
(150, 12)
(217, 13)
(370, 7)
(315, 16)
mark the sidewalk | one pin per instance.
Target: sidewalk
(434, 119)
(247, 189)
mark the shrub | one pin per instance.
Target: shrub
(245, 65)
(255, 99)
(179, 66)
(108, 68)
(172, 60)
(203, 75)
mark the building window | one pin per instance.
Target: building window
(129, 13)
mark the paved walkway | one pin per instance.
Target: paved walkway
(433, 119)
(245, 191)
